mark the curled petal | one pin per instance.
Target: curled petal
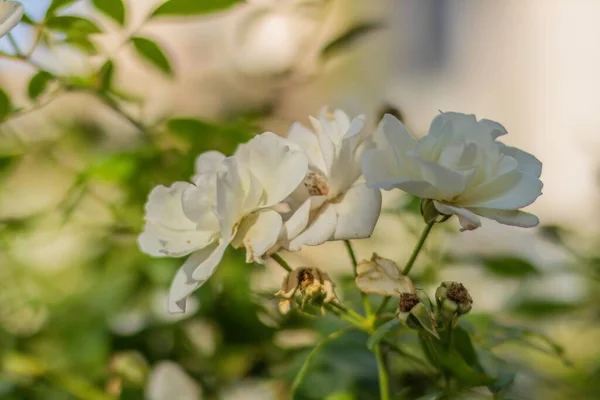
(468, 220)
(193, 273)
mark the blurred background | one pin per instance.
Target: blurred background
(98, 104)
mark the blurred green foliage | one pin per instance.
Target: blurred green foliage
(94, 329)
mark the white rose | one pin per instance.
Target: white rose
(332, 203)
(11, 13)
(229, 202)
(460, 165)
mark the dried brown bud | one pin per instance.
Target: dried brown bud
(313, 284)
(458, 293)
(407, 301)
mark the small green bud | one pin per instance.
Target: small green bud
(453, 300)
(430, 214)
(428, 211)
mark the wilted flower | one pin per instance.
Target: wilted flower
(452, 299)
(11, 13)
(230, 202)
(331, 203)
(312, 284)
(382, 276)
(415, 312)
(460, 166)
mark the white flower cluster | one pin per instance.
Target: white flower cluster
(11, 13)
(282, 193)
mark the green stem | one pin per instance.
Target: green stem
(364, 296)
(409, 264)
(279, 260)
(417, 249)
(14, 45)
(307, 363)
(384, 384)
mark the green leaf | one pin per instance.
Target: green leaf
(182, 8)
(105, 75)
(543, 308)
(349, 38)
(114, 9)
(509, 267)
(150, 51)
(5, 105)
(28, 20)
(376, 337)
(423, 315)
(73, 25)
(498, 368)
(38, 84)
(57, 5)
(188, 127)
(82, 43)
(461, 341)
(113, 168)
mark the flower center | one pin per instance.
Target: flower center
(316, 184)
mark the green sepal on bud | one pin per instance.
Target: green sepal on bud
(453, 300)
(415, 312)
(430, 214)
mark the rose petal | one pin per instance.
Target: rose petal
(468, 220)
(297, 222)
(184, 282)
(527, 162)
(319, 231)
(308, 142)
(510, 191)
(278, 164)
(261, 235)
(209, 161)
(358, 212)
(168, 232)
(509, 217)
(448, 183)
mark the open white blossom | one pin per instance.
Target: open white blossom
(332, 203)
(229, 202)
(460, 165)
(11, 13)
